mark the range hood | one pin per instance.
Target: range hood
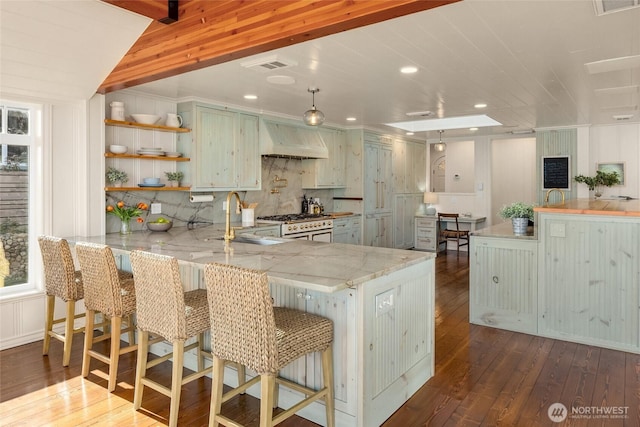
(282, 140)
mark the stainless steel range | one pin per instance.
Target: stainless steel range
(302, 226)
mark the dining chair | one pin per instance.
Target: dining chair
(163, 309)
(248, 330)
(111, 293)
(63, 281)
(445, 234)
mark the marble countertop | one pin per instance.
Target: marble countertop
(505, 230)
(616, 207)
(318, 266)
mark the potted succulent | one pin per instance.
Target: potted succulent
(520, 214)
(595, 182)
(174, 178)
(116, 177)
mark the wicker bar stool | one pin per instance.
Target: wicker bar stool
(63, 281)
(164, 309)
(247, 329)
(110, 292)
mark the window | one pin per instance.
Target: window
(17, 145)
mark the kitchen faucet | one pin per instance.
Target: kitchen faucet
(229, 232)
(546, 198)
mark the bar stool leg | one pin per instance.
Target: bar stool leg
(48, 326)
(114, 356)
(327, 379)
(176, 382)
(68, 332)
(88, 341)
(216, 391)
(141, 368)
(267, 386)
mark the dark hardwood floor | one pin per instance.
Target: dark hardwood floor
(484, 377)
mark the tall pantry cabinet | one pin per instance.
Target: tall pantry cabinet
(378, 205)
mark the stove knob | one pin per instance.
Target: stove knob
(289, 228)
(295, 227)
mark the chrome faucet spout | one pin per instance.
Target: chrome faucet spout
(229, 232)
(551, 190)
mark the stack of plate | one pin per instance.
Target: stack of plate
(147, 151)
(173, 154)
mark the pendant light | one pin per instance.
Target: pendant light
(313, 117)
(440, 146)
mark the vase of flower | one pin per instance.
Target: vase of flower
(126, 213)
(125, 226)
(116, 177)
(519, 213)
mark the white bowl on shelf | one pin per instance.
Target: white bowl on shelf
(172, 154)
(118, 149)
(145, 119)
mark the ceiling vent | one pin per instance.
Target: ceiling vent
(268, 63)
(609, 6)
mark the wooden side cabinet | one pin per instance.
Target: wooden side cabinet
(503, 283)
(426, 233)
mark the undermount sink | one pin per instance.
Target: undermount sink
(254, 240)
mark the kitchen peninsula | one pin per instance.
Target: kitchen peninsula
(380, 300)
(575, 277)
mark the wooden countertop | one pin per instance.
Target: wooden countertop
(616, 207)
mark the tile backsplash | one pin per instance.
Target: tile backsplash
(177, 206)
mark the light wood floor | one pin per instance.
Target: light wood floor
(484, 377)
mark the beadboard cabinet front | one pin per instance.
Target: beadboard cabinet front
(503, 283)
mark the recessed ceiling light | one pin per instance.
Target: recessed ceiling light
(480, 105)
(461, 122)
(351, 119)
(281, 80)
(409, 133)
(409, 69)
(473, 129)
(249, 96)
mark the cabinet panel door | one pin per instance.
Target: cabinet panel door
(400, 166)
(371, 179)
(248, 164)
(215, 148)
(503, 284)
(419, 177)
(385, 166)
(371, 230)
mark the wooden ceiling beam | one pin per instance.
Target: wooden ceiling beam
(212, 32)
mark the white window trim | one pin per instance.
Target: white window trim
(37, 193)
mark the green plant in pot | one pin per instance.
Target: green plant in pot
(520, 214)
(116, 177)
(174, 178)
(602, 178)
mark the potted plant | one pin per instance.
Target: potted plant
(595, 182)
(520, 214)
(174, 178)
(116, 177)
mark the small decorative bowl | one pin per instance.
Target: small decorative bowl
(145, 119)
(151, 181)
(118, 149)
(159, 226)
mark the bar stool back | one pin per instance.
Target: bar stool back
(112, 293)
(62, 281)
(164, 309)
(247, 329)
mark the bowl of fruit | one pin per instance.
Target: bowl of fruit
(159, 224)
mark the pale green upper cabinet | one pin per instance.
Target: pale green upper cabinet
(331, 172)
(223, 146)
(409, 167)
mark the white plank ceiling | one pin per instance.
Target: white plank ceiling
(525, 59)
(62, 49)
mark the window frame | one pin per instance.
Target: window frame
(35, 141)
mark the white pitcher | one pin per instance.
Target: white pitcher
(173, 120)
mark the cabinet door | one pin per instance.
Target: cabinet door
(378, 187)
(248, 164)
(371, 230)
(385, 225)
(399, 166)
(354, 232)
(418, 157)
(341, 230)
(215, 148)
(331, 172)
(503, 284)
